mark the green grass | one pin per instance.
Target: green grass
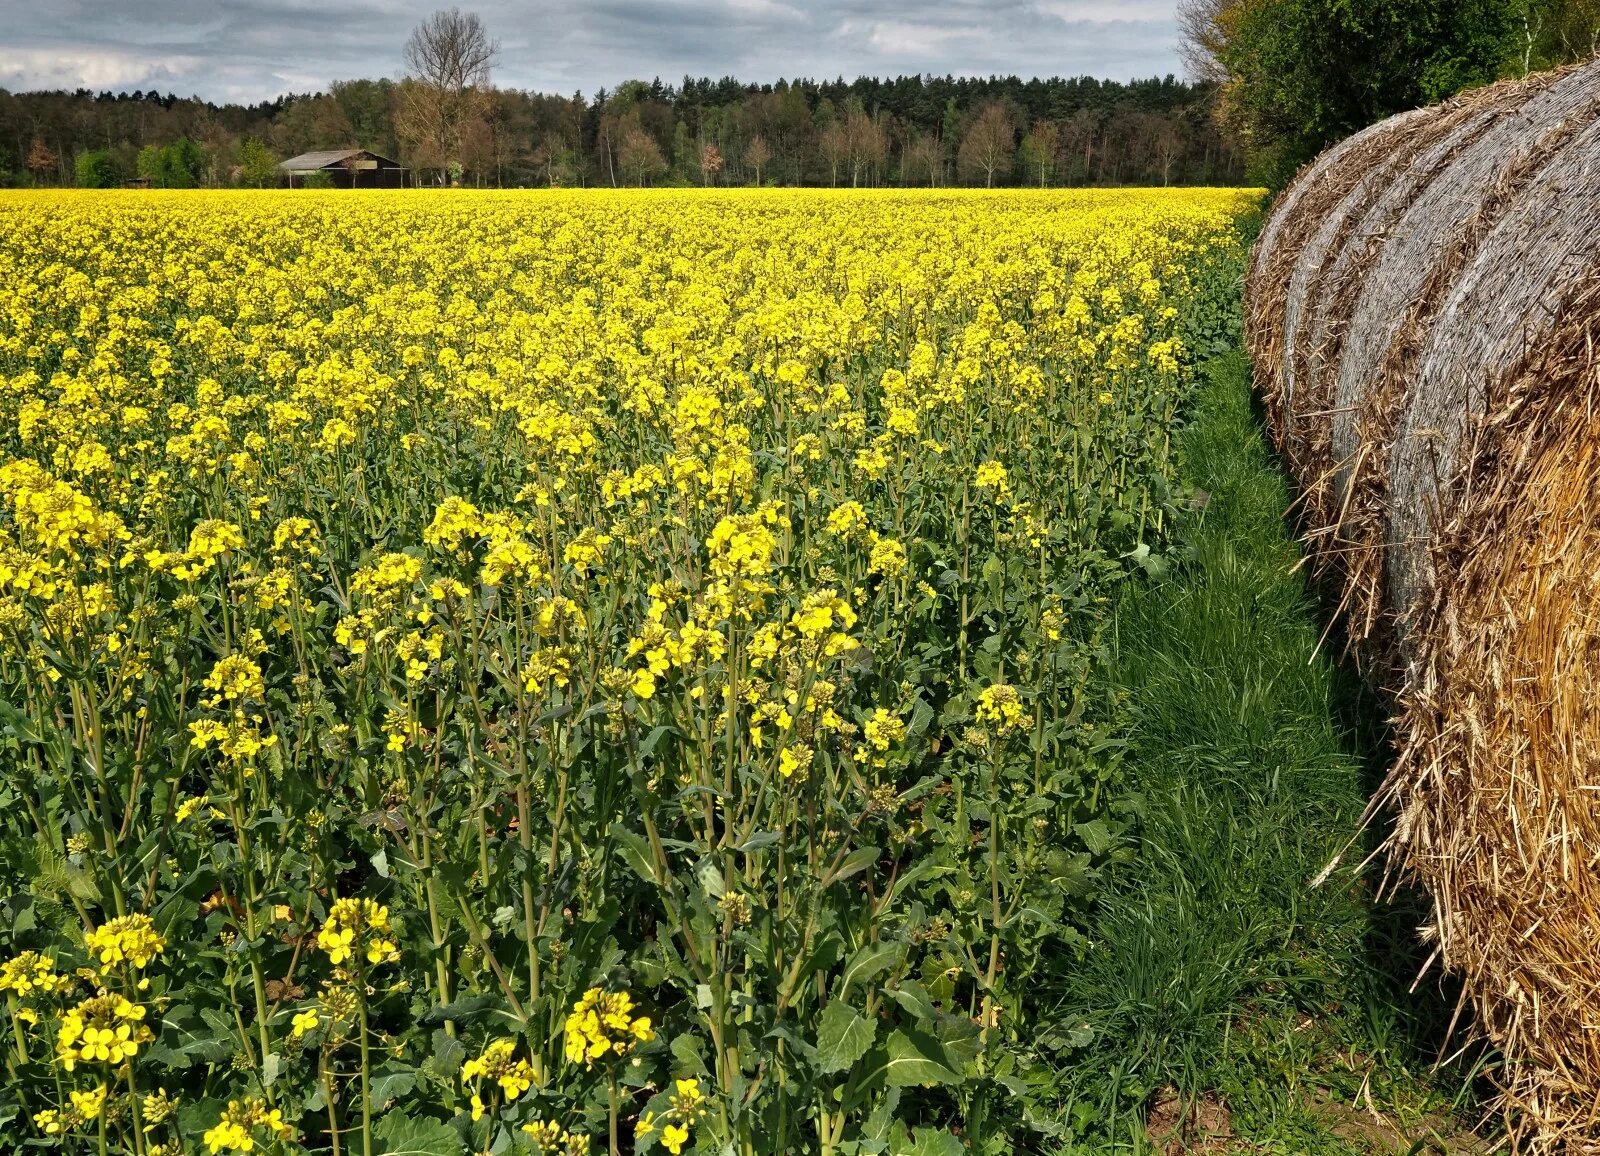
(1216, 969)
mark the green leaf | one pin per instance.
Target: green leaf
(925, 870)
(635, 852)
(390, 1082)
(843, 1037)
(914, 999)
(18, 723)
(852, 864)
(647, 748)
(934, 1142)
(1096, 836)
(868, 960)
(687, 1050)
(448, 1055)
(880, 1123)
(960, 1038)
(760, 841)
(399, 1135)
(466, 1008)
(1073, 874)
(711, 880)
(908, 1059)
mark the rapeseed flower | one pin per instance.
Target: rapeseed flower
(602, 1025)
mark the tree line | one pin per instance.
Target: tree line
(446, 121)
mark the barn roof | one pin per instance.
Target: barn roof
(326, 158)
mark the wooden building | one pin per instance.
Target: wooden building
(346, 169)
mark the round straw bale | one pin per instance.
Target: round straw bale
(1330, 269)
(1318, 185)
(1425, 333)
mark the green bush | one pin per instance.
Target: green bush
(95, 170)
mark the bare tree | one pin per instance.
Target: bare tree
(446, 94)
(919, 159)
(640, 154)
(710, 162)
(865, 144)
(477, 147)
(1202, 29)
(757, 154)
(1166, 145)
(1039, 149)
(451, 50)
(554, 155)
(1129, 129)
(834, 144)
(1079, 135)
(989, 143)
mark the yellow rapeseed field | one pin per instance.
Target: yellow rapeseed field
(567, 671)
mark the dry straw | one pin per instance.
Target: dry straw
(1424, 309)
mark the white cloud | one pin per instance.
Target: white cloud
(903, 38)
(1103, 11)
(73, 66)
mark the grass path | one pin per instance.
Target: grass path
(1228, 999)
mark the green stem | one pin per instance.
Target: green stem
(611, 1091)
(366, 1066)
(138, 1119)
(327, 1095)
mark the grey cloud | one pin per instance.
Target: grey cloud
(253, 49)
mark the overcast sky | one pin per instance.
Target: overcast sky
(255, 49)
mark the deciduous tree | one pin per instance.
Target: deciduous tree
(710, 162)
(757, 154)
(93, 169)
(989, 143)
(42, 162)
(641, 155)
(1039, 149)
(1299, 74)
(919, 160)
(866, 145)
(1166, 145)
(257, 166)
(449, 58)
(834, 144)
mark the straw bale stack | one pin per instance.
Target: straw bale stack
(1423, 308)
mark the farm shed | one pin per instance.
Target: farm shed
(346, 169)
(1423, 309)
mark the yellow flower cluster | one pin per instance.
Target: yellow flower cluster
(687, 1107)
(499, 1064)
(602, 1025)
(82, 1107)
(357, 927)
(104, 1029)
(128, 939)
(551, 1139)
(241, 1122)
(1001, 705)
(33, 973)
(882, 730)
